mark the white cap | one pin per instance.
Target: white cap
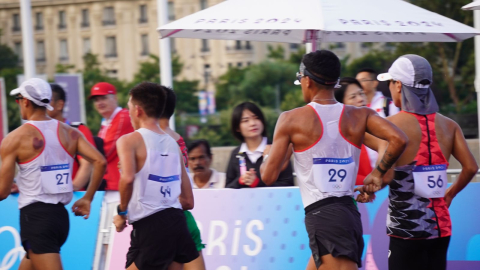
(410, 69)
(37, 91)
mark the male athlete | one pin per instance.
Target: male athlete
(418, 220)
(326, 137)
(154, 187)
(163, 122)
(44, 148)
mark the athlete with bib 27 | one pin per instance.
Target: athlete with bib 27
(154, 187)
(327, 137)
(418, 220)
(44, 149)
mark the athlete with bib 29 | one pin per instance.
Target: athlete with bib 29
(327, 137)
(418, 220)
(44, 149)
(154, 187)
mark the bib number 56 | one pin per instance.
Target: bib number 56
(432, 183)
(341, 173)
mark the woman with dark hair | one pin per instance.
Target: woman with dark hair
(248, 126)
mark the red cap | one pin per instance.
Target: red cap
(102, 89)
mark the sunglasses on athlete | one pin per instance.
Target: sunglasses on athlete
(18, 98)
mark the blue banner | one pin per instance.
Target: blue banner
(78, 251)
(163, 179)
(333, 160)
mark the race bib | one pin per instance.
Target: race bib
(334, 174)
(56, 178)
(161, 190)
(430, 181)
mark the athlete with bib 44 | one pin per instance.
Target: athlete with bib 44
(154, 187)
(44, 150)
(327, 137)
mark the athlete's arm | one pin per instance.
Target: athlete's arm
(126, 155)
(469, 166)
(397, 141)
(91, 154)
(8, 155)
(186, 194)
(83, 174)
(272, 167)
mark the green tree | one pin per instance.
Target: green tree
(9, 69)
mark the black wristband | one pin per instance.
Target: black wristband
(381, 170)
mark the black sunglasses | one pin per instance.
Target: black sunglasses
(18, 98)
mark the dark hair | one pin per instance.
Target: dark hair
(371, 71)
(199, 143)
(323, 64)
(57, 92)
(171, 101)
(237, 118)
(344, 83)
(150, 96)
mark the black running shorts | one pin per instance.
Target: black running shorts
(44, 227)
(160, 239)
(334, 227)
(412, 254)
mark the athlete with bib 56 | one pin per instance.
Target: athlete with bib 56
(44, 149)
(418, 220)
(327, 137)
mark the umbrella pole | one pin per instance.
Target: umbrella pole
(476, 19)
(311, 44)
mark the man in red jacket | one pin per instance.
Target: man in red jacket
(115, 123)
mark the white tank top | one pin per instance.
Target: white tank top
(47, 177)
(157, 185)
(329, 167)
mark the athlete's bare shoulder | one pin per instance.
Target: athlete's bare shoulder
(447, 122)
(296, 116)
(130, 139)
(358, 113)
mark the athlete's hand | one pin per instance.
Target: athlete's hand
(373, 182)
(449, 197)
(82, 208)
(120, 222)
(364, 197)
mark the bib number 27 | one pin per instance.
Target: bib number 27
(340, 173)
(60, 178)
(432, 183)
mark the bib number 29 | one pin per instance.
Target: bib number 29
(432, 183)
(60, 178)
(340, 173)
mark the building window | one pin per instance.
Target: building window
(111, 47)
(249, 64)
(62, 20)
(238, 45)
(143, 14)
(63, 50)
(171, 11)
(248, 45)
(112, 73)
(85, 18)
(18, 50)
(172, 45)
(294, 46)
(40, 51)
(239, 64)
(38, 21)
(205, 47)
(340, 45)
(108, 16)
(230, 65)
(144, 39)
(203, 4)
(16, 23)
(87, 48)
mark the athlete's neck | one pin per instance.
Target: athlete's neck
(370, 95)
(324, 97)
(201, 179)
(253, 142)
(38, 115)
(165, 126)
(151, 124)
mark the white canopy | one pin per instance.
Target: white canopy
(472, 6)
(301, 21)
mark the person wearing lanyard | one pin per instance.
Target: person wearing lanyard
(248, 126)
(115, 123)
(418, 220)
(326, 137)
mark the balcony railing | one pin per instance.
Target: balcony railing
(111, 55)
(110, 22)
